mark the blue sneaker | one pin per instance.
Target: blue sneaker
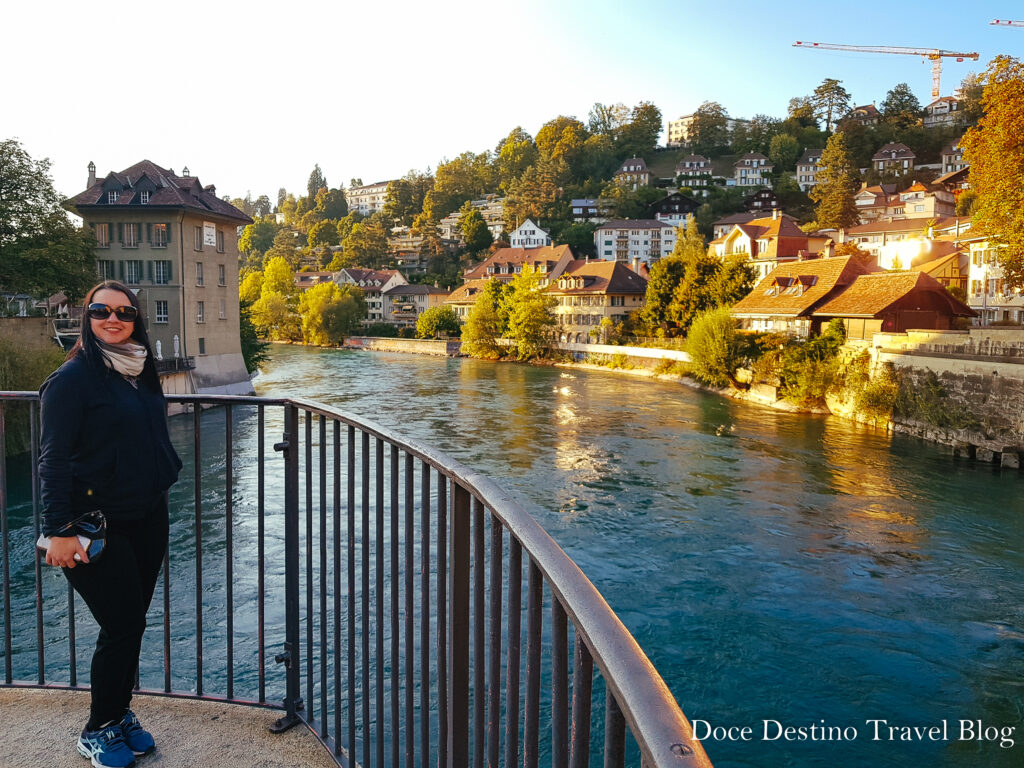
(139, 740)
(105, 747)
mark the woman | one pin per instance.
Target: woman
(104, 445)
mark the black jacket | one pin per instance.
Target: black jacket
(103, 445)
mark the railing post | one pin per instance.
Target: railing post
(289, 447)
(458, 634)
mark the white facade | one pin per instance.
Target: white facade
(752, 170)
(529, 235)
(627, 241)
(679, 130)
(807, 169)
(368, 199)
(988, 293)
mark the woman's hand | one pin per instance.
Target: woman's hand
(63, 550)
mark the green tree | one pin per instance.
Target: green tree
(836, 183)
(316, 182)
(972, 88)
(258, 237)
(474, 229)
(715, 347)
(995, 152)
(41, 251)
(312, 304)
(438, 320)
(536, 193)
(482, 330)
(901, 107)
(251, 287)
(284, 247)
(278, 277)
(530, 316)
(580, 238)
(709, 131)
(467, 177)
(323, 233)
(639, 136)
(274, 318)
(784, 151)
(607, 119)
(367, 244)
(342, 317)
(404, 198)
(254, 350)
(513, 155)
(831, 101)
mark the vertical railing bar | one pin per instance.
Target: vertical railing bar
(198, 488)
(337, 587)
(323, 577)
(292, 565)
(351, 584)
(614, 732)
(229, 574)
(515, 607)
(410, 645)
(459, 628)
(73, 672)
(167, 619)
(582, 703)
(4, 534)
(424, 617)
(310, 616)
(260, 552)
(396, 723)
(494, 647)
(559, 686)
(442, 620)
(479, 635)
(534, 620)
(33, 442)
(366, 597)
(379, 602)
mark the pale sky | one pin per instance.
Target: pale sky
(249, 95)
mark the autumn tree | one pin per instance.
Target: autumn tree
(901, 107)
(312, 304)
(513, 155)
(836, 183)
(784, 151)
(283, 247)
(535, 193)
(367, 244)
(343, 316)
(404, 198)
(258, 237)
(437, 321)
(995, 152)
(483, 325)
(251, 287)
(607, 119)
(830, 101)
(529, 310)
(41, 251)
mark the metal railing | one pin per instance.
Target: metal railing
(387, 579)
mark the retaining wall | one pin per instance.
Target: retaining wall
(434, 347)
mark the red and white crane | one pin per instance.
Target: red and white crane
(1005, 23)
(935, 55)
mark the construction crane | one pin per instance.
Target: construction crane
(1005, 23)
(935, 55)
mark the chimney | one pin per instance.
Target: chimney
(92, 174)
(775, 214)
(636, 264)
(184, 172)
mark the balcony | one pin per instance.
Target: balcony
(175, 365)
(386, 581)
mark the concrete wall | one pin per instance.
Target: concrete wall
(435, 347)
(644, 353)
(28, 331)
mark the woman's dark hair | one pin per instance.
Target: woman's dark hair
(87, 347)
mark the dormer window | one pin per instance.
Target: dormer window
(144, 196)
(112, 197)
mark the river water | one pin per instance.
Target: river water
(793, 569)
(774, 567)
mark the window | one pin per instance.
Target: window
(200, 312)
(202, 346)
(133, 272)
(220, 241)
(223, 309)
(199, 239)
(131, 236)
(618, 301)
(161, 272)
(199, 273)
(106, 270)
(160, 313)
(159, 236)
(111, 197)
(144, 196)
(102, 235)
(221, 275)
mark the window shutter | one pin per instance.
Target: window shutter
(120, 269)
(149, 270)
(168, 233)
(120, 236)
(170, 276)
(149, 233)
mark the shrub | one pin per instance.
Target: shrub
(715, 347)
(23, 368)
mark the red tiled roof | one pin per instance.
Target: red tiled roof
(602, 277)
(467, 292)
(171, 192)
(870, 295)
(548, 254)
(827, 275)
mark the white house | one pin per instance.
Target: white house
(807, 169)
(529, 235)
(634, 240)
(367, 199)
(753, 170)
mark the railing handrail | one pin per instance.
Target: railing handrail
(659, 726)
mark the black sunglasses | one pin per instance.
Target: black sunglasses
(99, 311)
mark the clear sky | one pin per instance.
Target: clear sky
(249, 95)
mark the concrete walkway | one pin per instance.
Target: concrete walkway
(41, 727)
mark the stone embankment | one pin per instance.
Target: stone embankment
(433, 347)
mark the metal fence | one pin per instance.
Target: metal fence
(388, 582)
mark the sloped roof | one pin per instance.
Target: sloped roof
(415, 289)
(809, 156)
(827, 275)
(901, 225)
(868, 110)
(870, 295)
(531, 256)
(370, 277)
(632, 162)
(602, 277)
(894, 151)
(467, 292)
(753, 156)
(171, 192)
(633, 224)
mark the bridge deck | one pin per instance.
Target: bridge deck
(40, 727)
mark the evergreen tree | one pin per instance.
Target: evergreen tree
(316, 182)
(834, 191)
(830, 101)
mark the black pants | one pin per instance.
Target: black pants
(118, 589)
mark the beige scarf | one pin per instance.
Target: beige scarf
(127, 359)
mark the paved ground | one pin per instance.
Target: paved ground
(40, 728)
